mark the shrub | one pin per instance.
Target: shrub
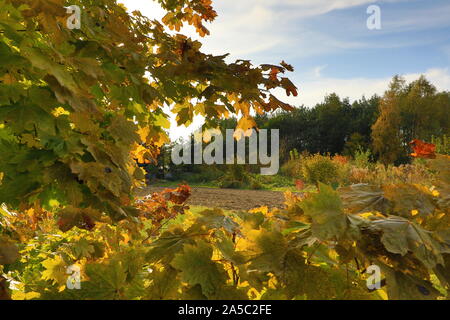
(236, 177)
(292, 169)
(318, 168)
(340, 159)
(293, 155)
(256, 185)
(362, 158)
(442, 144)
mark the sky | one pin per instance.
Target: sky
(328, 43)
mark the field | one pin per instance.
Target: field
(229, 199)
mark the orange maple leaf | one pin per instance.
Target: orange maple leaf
(423, 149)
(274, 73)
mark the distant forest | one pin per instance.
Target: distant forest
(383, 125)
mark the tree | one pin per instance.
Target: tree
(332, 119)
(387, 142)
(407, 112)
(68, 97)
(325, 128)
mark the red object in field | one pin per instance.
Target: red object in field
(340, 159)
(299, 184)
(423, 149)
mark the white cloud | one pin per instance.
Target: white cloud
(267, 30)
(440, 77)
(313, 91)
(418, 19)
(318, 71)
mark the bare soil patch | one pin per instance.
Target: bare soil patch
(229, 199)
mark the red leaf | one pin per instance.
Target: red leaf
(423, 149)
(274, 73)
(299, 184)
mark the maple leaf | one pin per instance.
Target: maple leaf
(423, 149)
(266, 250)
(289, 87)
(287, 66)
(196, 267)
(361, 198)
(70, 217)
(106, 280)
(215, 219)
(55, 270)
(83, 249)
(326, 210)
(164, 284)
(274, 73)
(245, 124)
(406, 287)
(401, 236)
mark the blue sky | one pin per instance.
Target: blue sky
(329, 44)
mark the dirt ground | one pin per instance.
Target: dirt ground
(230, 199)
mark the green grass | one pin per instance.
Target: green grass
(174, 184)
(271, 183)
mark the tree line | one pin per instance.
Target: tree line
(383, 125)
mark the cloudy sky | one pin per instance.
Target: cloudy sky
(328, 42)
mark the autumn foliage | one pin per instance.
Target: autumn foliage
(69, 152)
(423, 149)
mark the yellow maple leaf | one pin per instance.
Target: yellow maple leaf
(55, 270)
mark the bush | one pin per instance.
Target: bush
(442, 144)
(292, 168)
(318, 168)
(362, 158)
(236, 178)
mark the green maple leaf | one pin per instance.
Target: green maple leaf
(197, 268)
(106, 281)
(326, 210)
(83, 249)
(168, 244)
(402, 286)
(360, 198)
(267, 251)
(164, 284)
(215, 219)
(405, 198)
(401, 236)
